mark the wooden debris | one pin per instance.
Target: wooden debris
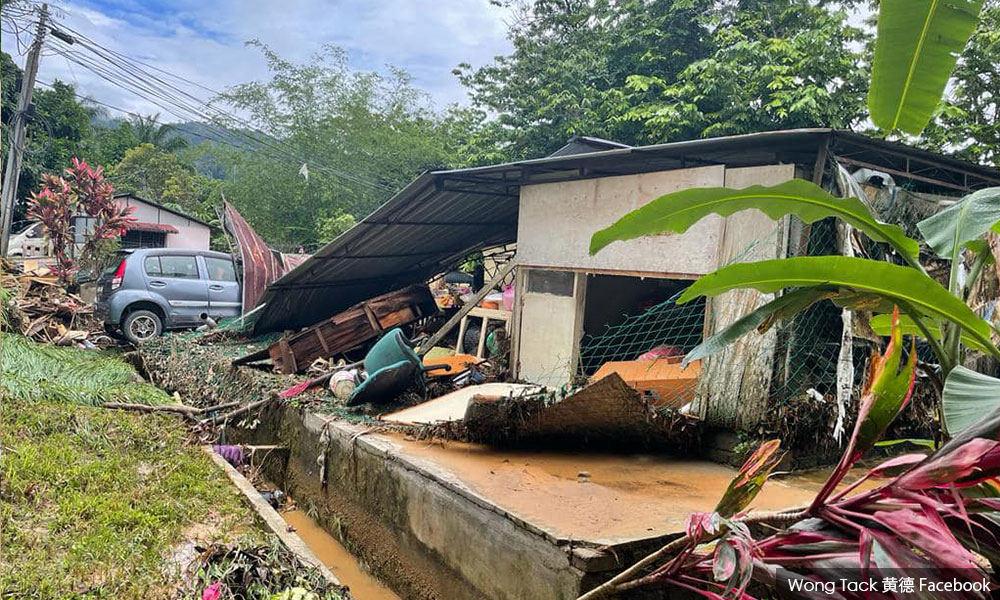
(663, 382)
(47, 313)
(348, 330)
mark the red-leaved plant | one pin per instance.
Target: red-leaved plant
(80, 191)
(933, 516)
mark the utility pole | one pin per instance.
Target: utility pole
(12, 171)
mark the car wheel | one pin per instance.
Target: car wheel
(141, 326)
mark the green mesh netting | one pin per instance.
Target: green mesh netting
(806, 347)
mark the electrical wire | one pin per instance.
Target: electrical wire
(129, 74)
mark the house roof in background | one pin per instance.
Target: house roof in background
(164, 208)
(141, 226)
(441, 217)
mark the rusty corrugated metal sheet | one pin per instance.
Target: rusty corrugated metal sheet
(261, 265)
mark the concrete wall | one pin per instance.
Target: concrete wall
(556, 221)
(418, 528)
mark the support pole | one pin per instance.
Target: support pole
(12, 171)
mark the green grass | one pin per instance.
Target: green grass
(93, 501)
(34, 371)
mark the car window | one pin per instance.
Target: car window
(182, 267)
(153, 266)
(220, 269)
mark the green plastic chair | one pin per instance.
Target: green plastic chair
(392, 366)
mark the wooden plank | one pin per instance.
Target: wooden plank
(322, 340)
(287, 356)
(491, 313)
(467, 307)
(372, 319)
(460, 346)
(481, 349)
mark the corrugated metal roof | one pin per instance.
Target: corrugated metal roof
(141, 226)
(442, 216)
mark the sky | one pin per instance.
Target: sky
(204, 41)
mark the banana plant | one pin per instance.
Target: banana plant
(938, 314)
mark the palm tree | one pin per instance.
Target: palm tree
(149, 130)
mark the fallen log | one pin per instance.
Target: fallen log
(236, 413)
(188, 411)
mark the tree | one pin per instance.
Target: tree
(57, 132)
(160, 176)
(569, 69)
(781, 64)
(80, 191)
(642, 72)
(149, 130)
(361, 136)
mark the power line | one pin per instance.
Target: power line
(127, 73)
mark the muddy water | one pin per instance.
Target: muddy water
(617, 497)
(343, 564)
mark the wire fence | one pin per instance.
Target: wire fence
(805, 348)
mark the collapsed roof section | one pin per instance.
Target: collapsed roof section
(441, 217)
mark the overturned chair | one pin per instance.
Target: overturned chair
(392, 366)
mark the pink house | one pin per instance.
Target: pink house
(157, 226)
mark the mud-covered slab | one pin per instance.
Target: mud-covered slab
(452, 406)
(594, 497)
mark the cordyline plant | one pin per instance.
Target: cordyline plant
(80, 191)
(933, 516)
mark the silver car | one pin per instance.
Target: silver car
(146, 292)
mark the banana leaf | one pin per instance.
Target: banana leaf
(968, 396)
(963, 222)
(918, 44)
(678, 211)
(903, 285)
(782, 307)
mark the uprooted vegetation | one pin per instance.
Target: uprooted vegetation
(33, 372)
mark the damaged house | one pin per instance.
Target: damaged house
(578, 317)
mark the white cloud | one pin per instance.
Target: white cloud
(204, 41)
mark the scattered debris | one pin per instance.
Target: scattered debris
(662, 381)
(348, 330)
(40, 308)
(607, 410)
(452, 406)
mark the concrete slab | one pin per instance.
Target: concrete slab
(600, 498)
(451, 406)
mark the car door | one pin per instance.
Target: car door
(177, 278)
(223, 289)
